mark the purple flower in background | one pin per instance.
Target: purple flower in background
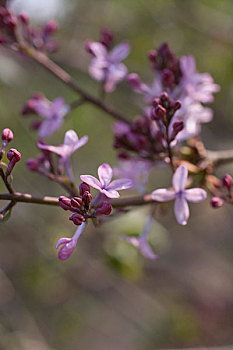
(198, 86)
(52, 112)
(68, 244)
(106, 66)
(141, 242)
(149, 92)
(180, 194)
(71, 144)
(104, 184)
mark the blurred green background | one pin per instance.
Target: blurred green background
(106, 296)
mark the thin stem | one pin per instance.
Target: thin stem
(69, 81)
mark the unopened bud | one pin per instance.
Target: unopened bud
(50, 27)
(178, 126)
(76, 202)
(105, 208)
(7, 135)
(24, 17)
(87, 198)
(64, 202)
(216, 202)
(134, 80)
(158, 112)
(83, 187)
(227, 181)
(33, 164)
(14, 156)
(152, 55)
(76, 218)
(176, 105)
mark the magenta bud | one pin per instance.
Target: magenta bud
(64, 202)
(164, 97)
(7, 135)
(24, 17)
(76, 218)
(83, 187)
(158, 112)
(105, 208)
(176, 105)
(178, 126)
(13, 155)
(50, 27)
(227, 181)
(168, 78)
(87, 198)
(216, 202)
(152, 55)
(134, 80)
(33, 164)
(156, 102)
(76, 202)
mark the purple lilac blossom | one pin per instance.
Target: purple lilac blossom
(141, 242)
(104, 184)
(180, 194)
(52, 112)
(106, 66)
(71, 144)
(68, 244)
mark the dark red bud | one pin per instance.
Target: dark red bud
(178, 126)
(164, 97)
(64, 202)
(105, 208)
(14, 155)
(158, 112)
(152, 55)
(7, 135)
(83, 187)
(227, 181)
(176, 105)
(76, 218)
(87, 198)
(156, 102)
(76, 202)
(216, 202)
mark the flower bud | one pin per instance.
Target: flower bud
(176, 105)
(24, 17)
(216, 202)
(76, 218)
(158, 113)
(76, 202)
(168, 78)
(83, 187)
(134, 80)
(227, 181)
(33, 164)
(177, 127)
(105, 208)
(7, 135)
(13, 155)
(152, 55)
(87, 198)
(64, 202)
(50, 27)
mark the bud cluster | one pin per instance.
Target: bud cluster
(13, 155)
(17, 31)
(224, 186)
(163, 60)
(81, 206)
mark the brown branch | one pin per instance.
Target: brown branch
(53, 68)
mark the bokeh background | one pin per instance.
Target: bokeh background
(106, 296)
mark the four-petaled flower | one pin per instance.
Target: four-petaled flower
(68, 244)
(180, 194)
(106, 66)
(71, 144)
(104, 184)
(52, 112)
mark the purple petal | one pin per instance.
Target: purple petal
(48, 126)
(195, 195)
(120, 184)
(146, 250)
(57, 104)
(56, 149)
(63, 241)
(81, 142)
(181, 210)
(97, 69)
(110, 193)
(163, 195)
(115, 73)
(180, 178)
(43, 107)
(98, 49)
(66, 251)
(91, 180)
(105, 174)
(120, 52)
(71, 138)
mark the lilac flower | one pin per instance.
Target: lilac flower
(141, 242)
(106, 66)
(68, 244)
(104, 184)
(136, 170)
(199, 86)
(180, 194)
(71, 144)
(52, 112)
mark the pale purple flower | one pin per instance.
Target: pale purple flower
(149, 92)
(180, 194)
(71, 144)
(68, 244)
(136, 170)
(104, 184)
(141, 241)
(106, 66)
(52, 112)
(198, 86)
